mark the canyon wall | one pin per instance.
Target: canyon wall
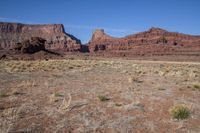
(54, 34)
(155, 41)
(152, 42)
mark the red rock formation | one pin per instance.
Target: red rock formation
(153, 41)
(99, 35)
(54, 34)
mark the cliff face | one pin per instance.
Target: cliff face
(153, 41)
(54, 34)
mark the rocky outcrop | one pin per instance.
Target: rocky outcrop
(54, 34)
(153, 41)
(31, 49)
(99, 35)
(33, 45)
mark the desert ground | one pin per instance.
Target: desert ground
(79, 95)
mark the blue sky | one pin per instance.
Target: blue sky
(117, 17)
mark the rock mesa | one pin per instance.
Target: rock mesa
(54, 34)
(155, 41)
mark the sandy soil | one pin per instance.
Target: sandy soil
(64, 96)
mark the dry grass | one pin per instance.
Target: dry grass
(55, 97)
(66, 103)
(134, 79)
(62, 95)
(16, 92)
(50, 65)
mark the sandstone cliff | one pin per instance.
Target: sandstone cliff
(153, 41)
(54, 34)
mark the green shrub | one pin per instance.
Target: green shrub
(103, 98)
(161, 89)
(57, 94)
(118, 104)
(196, 87)
(3, 94)
(179, 112)
(70, 67)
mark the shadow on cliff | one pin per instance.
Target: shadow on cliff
(73, 37)
(84, 49)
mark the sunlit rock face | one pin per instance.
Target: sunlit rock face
(153, 41)
(54, 34)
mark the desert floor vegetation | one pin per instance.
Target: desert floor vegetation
(99, 95)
